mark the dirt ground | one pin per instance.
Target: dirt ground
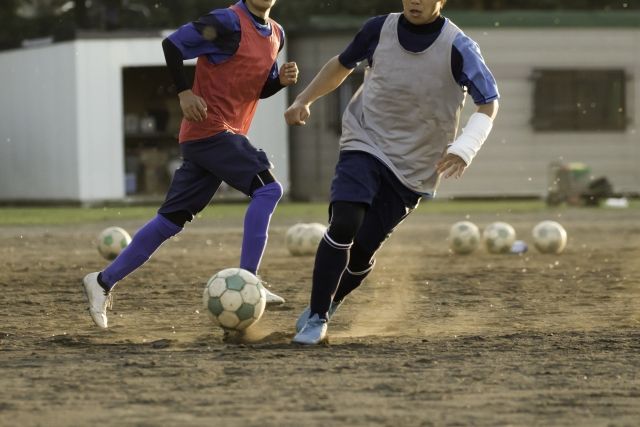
(431, 339)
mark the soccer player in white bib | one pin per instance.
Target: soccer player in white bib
(399, 136)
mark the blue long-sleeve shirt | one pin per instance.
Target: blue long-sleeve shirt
(467, 64)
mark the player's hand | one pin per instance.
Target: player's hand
(193, 107)
(289, 74)
(297, 113)
(451, 165)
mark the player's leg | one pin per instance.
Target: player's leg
(388, 210)
(332, 258)
(191, 189)
(265, 195)
(353, 189)
(247, 169)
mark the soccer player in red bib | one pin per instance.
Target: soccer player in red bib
(236, 49)
(399, 136)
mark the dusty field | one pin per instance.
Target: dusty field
(431, 339)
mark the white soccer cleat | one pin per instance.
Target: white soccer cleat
(314, 332)
(98, 299)
(273, 299)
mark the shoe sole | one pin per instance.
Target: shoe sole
(324, 340)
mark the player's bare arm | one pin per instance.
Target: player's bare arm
(194, 108)
(328, 79)
(289, 74)
(454, 165)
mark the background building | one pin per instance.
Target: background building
(568, 93)
(95, 119)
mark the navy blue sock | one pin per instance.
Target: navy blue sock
(331, 261)
(349, 282)
(256, 225)
(144, 244)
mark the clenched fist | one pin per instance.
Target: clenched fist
(289, 74)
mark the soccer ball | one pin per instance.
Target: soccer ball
(311, 236)
(499, 237)
(111, 241)
(464, 237)
(303, 239)
(293, 239)
(549, 237)
(234, 298)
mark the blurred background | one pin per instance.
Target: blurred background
(88, 112)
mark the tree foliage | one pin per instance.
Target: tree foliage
(23, 19)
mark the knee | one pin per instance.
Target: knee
(343, 229)
(272, 191)
(178, 218)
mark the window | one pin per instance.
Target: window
(579, 100)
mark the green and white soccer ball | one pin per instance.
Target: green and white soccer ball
(549, 237)
(234, 298)
(303, 239)
(111, 241)
(499, 237)
(464, 237)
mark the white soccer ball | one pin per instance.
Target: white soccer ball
(293, 238)
(464, 237)
(499, 237)
(303, 239)
(234, 298)
(111, 241)
(311, 236)
(549, 237)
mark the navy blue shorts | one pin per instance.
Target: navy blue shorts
(362, 178)
(206, 163)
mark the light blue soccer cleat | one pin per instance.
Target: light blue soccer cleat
(314, 331)
(304, 316)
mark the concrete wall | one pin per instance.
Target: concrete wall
(514, 160)
(61, 120)
(38, 124)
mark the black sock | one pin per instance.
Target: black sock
(331, 261)
(348, 283)
(102, 284)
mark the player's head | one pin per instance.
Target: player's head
(260, 7)
(422, 11)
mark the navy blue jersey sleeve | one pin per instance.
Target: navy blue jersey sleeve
(474, 73)
(363, 44)
(216, 35)
(273, 85)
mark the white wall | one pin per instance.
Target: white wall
(514, 160)
(38, 134)
(61, 120)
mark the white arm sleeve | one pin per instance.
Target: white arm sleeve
(467, 145)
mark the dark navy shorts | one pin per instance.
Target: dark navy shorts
(206, 163)
(362, 178)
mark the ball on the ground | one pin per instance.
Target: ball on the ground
(499, 237)
(293, 239)
(234, 298)
(111, 241)
(464, 237)
(549, 237)
(311, 236)
(303, 239)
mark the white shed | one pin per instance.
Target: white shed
(63, 133)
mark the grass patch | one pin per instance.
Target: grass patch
(79, 215)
